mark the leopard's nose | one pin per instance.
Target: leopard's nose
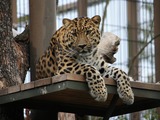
(81, 46)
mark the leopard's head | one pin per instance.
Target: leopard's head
(81, 34)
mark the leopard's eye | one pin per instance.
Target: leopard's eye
(88, 32)
(73, 32)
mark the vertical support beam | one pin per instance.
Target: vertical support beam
(132, 36)
(42, 26)
(157, 42)
(82, 7)
(111, 107)
(132, 45)
(14, 13)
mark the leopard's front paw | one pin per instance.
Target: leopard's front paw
(108, 46)
(127, 97)
(126, 94)
(99, 95)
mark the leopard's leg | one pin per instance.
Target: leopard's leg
(123, 80)
(123, 83)
(99, 59)
(95, 81)
(96, 84)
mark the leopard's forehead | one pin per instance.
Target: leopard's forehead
(81, 23)
(81, 19)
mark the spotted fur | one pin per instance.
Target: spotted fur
(73, 49)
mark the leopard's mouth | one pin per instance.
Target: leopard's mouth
(84, 51)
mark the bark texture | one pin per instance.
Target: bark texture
(14, 59)
(14, 53)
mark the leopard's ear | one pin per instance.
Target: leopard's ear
(96, 19)
(66, 21)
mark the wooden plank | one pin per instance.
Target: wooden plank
(42, 82)
(140, 88)
(27, 86)
(72, 77)
(146, 93)
(70, 93)
(4, 91)
(111, 107)
(148, 86)
(108, 81)
(14, 89)
(38, 91)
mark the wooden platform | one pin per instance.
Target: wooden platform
(69, 93)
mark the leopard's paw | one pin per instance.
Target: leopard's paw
(126, 95)
(99, 95)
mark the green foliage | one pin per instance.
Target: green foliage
(24, 18)
(122, 117)
(151, 115)
(96, 118)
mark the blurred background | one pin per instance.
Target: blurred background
(134, 21)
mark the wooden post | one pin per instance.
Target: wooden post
(42, 26)
(157, 41)
(132, 37)
(133, 48)
(14, 13)
(82, 7)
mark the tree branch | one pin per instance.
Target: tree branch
(22, 42)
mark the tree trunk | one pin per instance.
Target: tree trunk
(14, 60)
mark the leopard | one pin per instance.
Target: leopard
(73, 49)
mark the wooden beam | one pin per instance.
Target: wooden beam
(42, 26)
(73, 6)
(69, 93)
(111, 107)
(157, 42)
(132, 38)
